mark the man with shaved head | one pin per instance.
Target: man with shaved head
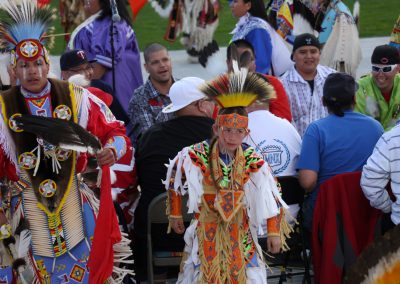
(148, 100)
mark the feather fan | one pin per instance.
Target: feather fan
(66, 134)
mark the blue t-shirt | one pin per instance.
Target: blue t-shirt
(335, 145)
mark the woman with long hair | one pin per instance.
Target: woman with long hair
(93, 36)
(272, 55)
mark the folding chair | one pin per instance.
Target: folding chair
(156, 215)
(293, 193)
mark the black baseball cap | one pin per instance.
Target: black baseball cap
(74, 58)
(305, 40)
(339, 88)
(385, 55)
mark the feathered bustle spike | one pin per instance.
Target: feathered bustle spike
(258, 84)
(356, 12)
(69, 136)
(216, 87)
(235, 58)
(238, 89)
(245, 60)
(23, 243)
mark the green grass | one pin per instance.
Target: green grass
(377, 18)
(150, 27)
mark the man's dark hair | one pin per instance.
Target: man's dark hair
(338, 108)
(240, 43)
(151, 48)
(338, 93)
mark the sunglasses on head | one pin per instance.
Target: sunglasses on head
(384, 69)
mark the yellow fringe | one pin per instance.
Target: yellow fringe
(167, 212)
(285, 229)
(219, 269)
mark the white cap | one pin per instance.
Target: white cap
(183, 93)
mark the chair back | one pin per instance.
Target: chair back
(292, 192)
(344, 223)
(156, 214)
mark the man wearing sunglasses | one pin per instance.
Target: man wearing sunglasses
(378, 94)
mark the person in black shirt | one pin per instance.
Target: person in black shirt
(161, 142)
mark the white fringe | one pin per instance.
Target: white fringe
(343, 46)
(122, 253)
(193, 184)
(216, 64)
(23, 243)
(301, 25)
(262, 197)
(90, 196)
(356, 12)
(162, 12)
(7, 143)
(4, 62)
(83, 106)
(189, 273)
(16, 218)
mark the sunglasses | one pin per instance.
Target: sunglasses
(385, 69)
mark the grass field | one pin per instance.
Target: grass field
(377, 18)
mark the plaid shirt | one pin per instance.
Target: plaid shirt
(145, 109)
(306, 106)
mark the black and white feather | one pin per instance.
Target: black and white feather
(65, 134)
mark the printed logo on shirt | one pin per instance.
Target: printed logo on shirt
(277, 155)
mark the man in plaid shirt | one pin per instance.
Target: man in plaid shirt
(149, 99)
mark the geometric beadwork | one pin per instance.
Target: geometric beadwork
(62, 112)
(27, 160)
(77, 273)
(13, 124)
(47, 188)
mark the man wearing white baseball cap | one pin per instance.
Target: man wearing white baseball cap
(161, 142)
(184, 93)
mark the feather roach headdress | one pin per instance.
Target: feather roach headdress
(239, 89)
(23, 29)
